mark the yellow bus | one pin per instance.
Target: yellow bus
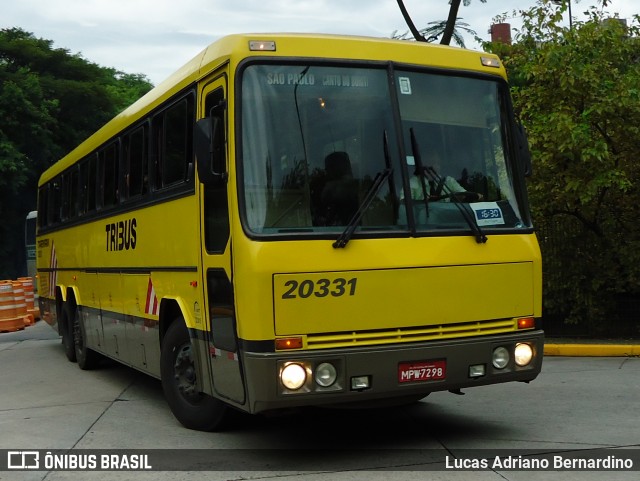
(298, 220)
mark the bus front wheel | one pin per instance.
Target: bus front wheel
(194, 409)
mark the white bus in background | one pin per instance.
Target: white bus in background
(30, 245)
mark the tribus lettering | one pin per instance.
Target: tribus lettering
(121, 235)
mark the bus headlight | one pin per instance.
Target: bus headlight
(500, 357)
(523, 354)
(293, 376)
(326, 374)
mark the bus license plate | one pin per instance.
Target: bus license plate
(422, 371)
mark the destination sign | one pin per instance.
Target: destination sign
(345, 81)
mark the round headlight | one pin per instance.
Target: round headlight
(500, 357)
(325, 374)
(293, 376)
(523, 354)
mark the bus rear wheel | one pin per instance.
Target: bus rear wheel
(86, 357)
(194, 409)
(65, 329)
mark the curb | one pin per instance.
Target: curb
(592, 350)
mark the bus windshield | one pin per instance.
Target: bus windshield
(313, 143)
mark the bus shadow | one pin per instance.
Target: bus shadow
(425, 424)
(431, 423)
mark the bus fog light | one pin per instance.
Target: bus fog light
(500, 357)
(359, 383)
(477, 370)
(326, 374)
(293, 376)
(523, 354)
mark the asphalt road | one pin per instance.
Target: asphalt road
(576, 406)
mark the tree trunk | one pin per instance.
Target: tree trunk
(414, 31)
(451, 22)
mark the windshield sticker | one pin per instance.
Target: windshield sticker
(405, 85)
(487, 213)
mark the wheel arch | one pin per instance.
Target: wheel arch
(170, 309)
(60, 299)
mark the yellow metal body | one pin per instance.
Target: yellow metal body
(385, 291)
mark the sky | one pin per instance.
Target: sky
(156, 37)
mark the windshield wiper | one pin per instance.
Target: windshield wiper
(420, 169)
(371, 194)
(464, 209)
(430, 172)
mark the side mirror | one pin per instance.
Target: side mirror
(210, 150)
(524, 154)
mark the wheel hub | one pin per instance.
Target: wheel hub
(185, 372)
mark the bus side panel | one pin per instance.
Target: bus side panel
(113, 325)
(89, 304)
(142, 333)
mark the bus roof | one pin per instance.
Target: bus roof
(235, 48)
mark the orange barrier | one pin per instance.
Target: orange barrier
(21, 303)
(29, 297)
(10, 317)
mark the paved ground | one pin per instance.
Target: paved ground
(577, 403)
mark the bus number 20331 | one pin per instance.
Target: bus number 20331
(320, 288)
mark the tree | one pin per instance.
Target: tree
(412, 27)
(435, 30)
(577, 91)
(50, 100)
(450, 24)
(444, 28)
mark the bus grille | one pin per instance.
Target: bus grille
(411, 334)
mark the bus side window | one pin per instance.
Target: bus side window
(42, 205)
(107, 179)
(135, 163)
(110, 178)
(92, 185)
(83, 186)
(66, 194)
(53, 202)
(172, 132)
(73, 193)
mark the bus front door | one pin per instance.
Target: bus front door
(224, 362)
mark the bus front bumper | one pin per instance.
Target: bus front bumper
(389, 372)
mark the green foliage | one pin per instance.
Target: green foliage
(577, 91)
(445, 29)
(50, 100)
(436, 29)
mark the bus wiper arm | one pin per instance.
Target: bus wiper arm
(346, 235)
(420, 169)
(468, 216)
(379, 179)
(431, 173)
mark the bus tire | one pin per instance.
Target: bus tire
(66, 331)
(87, 358)
(194, 410)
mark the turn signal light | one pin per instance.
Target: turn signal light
(490, 62)
(262, 45)
(288, 343)
(526, 323)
